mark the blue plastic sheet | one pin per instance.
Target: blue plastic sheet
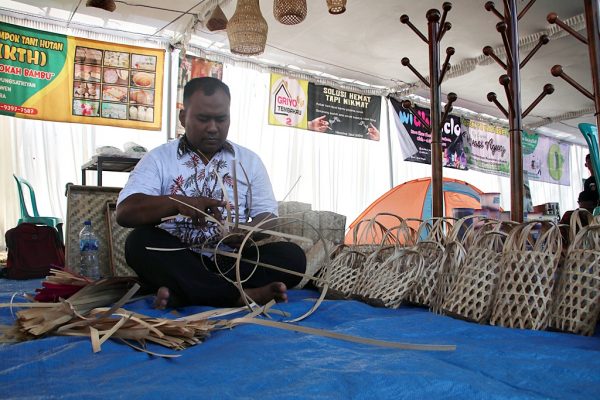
(256, 362)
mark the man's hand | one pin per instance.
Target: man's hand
(141, 209)
(206, 205)
(319, 124)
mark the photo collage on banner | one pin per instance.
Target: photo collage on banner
(300, 104)
(452, 141)
(113, 84)
(61, 78)
(194, 67)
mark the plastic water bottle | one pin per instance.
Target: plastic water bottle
(88, 249)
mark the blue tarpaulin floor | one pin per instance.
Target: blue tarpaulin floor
(256, 362)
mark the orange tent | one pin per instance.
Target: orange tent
(412, 199)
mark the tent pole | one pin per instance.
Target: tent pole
(389, 134)
(433, 19)
(170, 101)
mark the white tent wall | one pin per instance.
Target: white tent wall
(335, 173)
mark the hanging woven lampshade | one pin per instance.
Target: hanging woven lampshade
(217, 20)
(108, 5)
(247, 29)
(336, 6)
(289, 12)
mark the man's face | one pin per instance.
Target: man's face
(206, 121)
(588, 164)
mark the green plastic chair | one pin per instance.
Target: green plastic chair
(35, 218)
(590, 133)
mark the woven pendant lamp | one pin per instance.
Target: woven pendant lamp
(217, 20)
(289, 12)
(108, 5)
(247, 29)
(336, 6)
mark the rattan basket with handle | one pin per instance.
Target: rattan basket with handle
(371, 269)
(472, 294)
(434, 231)
(531, 255)
(389, 281)
(577, 295)
(452, 261)
(342, 272)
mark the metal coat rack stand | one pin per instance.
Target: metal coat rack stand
(437, 27)
(511, 81)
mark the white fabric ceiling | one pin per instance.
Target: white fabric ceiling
(367, 42)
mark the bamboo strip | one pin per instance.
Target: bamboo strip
(335, 335)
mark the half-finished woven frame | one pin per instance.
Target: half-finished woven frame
(577, 294)
(472, 294)
(525, 290)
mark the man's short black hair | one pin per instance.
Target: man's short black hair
(587, 158)
(206, 85)
(587, 195)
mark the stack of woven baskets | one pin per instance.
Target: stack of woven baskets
(524, 276)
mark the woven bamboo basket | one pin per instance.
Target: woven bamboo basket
(217, 20)
(472, 294)
(432, 234)
(116, 243)
(247, 29)
(342, 272)
(423, 292)
(468, 228)
(436, 229)
(526, 283)
(88, 203)
(371, 269)
(577, 294)
(452, 261)
(392, 279)
(579, 219)
(289, 12)
(376, 229)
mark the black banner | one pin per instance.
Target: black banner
(452, 139)
(341, 112)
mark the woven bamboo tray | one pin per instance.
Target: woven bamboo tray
(472, 294)
(531, 255)
(577, 294)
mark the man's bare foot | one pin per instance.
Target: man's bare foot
(273, 291)
(162, 298)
